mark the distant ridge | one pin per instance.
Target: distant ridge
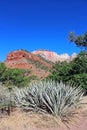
(39, 62)
(53, 56)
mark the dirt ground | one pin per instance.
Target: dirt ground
(19, 120)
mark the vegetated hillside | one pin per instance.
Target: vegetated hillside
(26, 60)
(38, 62)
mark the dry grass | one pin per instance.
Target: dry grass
(20, 120)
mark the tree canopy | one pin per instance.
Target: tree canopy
(74, 72)
(9, 76)
(80, 41)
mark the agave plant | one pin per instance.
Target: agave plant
(55, 98)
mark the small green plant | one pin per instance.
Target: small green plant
(57, 99)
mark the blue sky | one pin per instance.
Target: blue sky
(41, 24)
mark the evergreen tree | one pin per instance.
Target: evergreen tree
(80, 41)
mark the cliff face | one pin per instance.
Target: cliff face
(53, 57)
(25, 60)
(38, 62)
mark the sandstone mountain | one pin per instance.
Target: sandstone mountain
(26, 60)
(38, 62)
(53, 57)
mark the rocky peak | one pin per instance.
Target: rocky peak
(16, 55)
(53, 56)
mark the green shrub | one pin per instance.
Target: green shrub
(2, 70)
(14, 77)
(72, 72)
(6, 99)
(49, 96)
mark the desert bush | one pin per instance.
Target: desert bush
(49, 96)
(6, 99)
(14, 77)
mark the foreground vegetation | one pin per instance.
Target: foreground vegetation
(51, 97)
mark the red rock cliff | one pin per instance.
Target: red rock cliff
(25, 60)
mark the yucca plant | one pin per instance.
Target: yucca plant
(55, 98)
